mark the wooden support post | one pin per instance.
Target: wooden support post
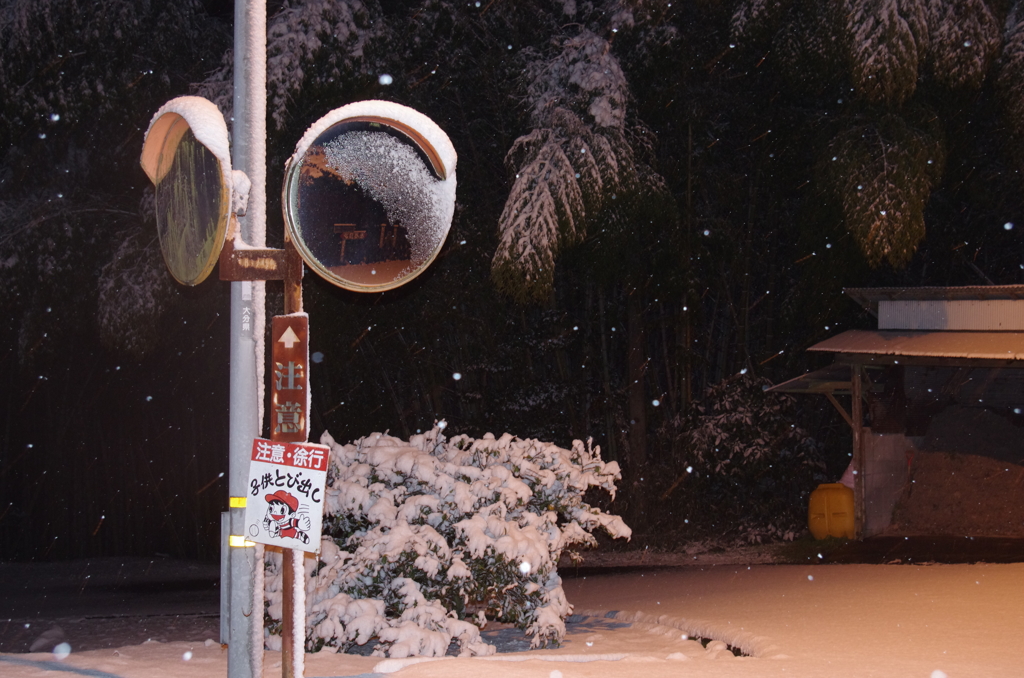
(839, 408)
(287, 615)
(857, 414)
(293, 637)
(292, 278)
(293, 640)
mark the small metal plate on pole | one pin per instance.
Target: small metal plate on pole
(369, 195)
(185, 155)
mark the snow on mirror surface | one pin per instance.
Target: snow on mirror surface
(368, 203)
(393, 174)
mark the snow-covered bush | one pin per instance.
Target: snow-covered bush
(426, 540)
(743, 467)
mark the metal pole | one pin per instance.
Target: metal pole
(244, 600)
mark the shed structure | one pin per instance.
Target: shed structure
(942, 372)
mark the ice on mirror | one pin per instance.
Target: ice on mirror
(391, 173)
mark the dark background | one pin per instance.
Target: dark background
(114, 380)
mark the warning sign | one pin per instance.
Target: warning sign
(289, 387)
(285, 503)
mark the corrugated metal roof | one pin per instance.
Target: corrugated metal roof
(868, 297)
(829, 379)
(967, 345)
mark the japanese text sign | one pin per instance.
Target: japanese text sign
(289, 380)
(285, 502)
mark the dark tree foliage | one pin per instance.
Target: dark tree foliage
(741, 464)
(112, 402)
(647, 205)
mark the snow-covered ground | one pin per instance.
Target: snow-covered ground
(816, 620)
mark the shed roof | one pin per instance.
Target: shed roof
(1001, 347)
(868, 297)
(835, 378)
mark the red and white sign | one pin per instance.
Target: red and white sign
(285, 502)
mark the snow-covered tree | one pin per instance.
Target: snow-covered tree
(882, 173)
(427, 539)
(887, 41)
(577, 165)
(964, 38)
(881, 168)
(888, 46)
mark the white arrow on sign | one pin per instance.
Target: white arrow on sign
(289, 338)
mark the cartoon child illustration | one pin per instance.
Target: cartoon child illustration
(283, 518)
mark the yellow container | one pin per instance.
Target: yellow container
(830, 511)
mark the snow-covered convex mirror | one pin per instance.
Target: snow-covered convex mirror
(369, 195)
(186, 156)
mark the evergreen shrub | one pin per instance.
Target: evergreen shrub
(425, 541)
(744, 468)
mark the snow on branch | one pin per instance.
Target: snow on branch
(133, 290)
(893, 42)
(543, 213)
(576, 157)
(889, 46)
(755, 17)
(882, 175)
(1010, 80)
(295, 38)
(964, 39)
(742, 459)
(883, 49)
(308, 43)
(584, 75)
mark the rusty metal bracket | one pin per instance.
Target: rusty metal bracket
(241, 262)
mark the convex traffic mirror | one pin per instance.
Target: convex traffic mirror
(369, 195)
(186, 156)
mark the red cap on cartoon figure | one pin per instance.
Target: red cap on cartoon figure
(284, 498)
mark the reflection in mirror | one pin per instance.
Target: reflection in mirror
(366, 207)
(190, 209)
